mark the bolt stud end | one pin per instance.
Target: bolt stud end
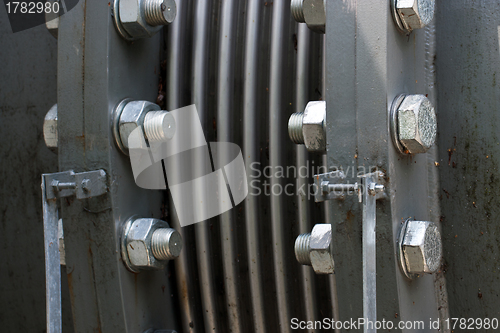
(295, 128)
(160, 12)
(166, 244)
(159, 126)
(296, 7)
(302, 249)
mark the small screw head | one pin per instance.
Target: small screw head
(417, 124)
(86, 185)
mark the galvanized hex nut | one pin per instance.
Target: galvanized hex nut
(144, 18)
(132, 117)
(313, 126)
(417, 124)
(133, 19)
(50, 129)
(138, 243)
(421, 247)
(415, 14)
(315, 15)
(319, 245)
(311, 12)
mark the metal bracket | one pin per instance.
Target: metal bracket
(330, 186)
(83, 185)
(370, 189)
(58, 185)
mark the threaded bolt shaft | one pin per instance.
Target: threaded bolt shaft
(159, 126)
(295, 128)
(160, 12)
(166, 244)
(302, 249)
(297, 10)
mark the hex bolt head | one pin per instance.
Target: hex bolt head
(50, 135)
(132, 116)
(311, 12)
(416, 124)
(158, 125)
(314, 249)
(143, 18)
(148, 243)
(308, 127)
(415, 14)
(313, 126)
(420, 247)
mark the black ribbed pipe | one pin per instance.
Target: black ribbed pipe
(303, 203)
(251, 153)
(201, 22)
(225, 104)
(175, 72)
(277, 122)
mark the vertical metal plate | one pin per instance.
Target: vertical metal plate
(368, 63)
(97, 69)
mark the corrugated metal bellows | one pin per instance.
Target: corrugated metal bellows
(248, 66)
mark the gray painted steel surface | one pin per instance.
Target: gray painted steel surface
(368, 63)
(237, 272)
(96, 70)
(28, 90)
(468, 105)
